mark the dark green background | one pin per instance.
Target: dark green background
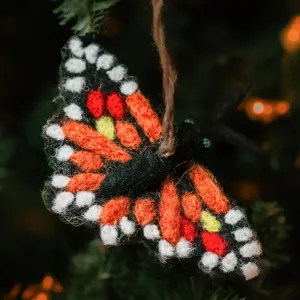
(215, 44)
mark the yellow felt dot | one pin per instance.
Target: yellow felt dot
(105, 126)
(210, 222)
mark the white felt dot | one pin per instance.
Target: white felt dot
(84, 198)
(105, 61)
(165, 249)
(229, 262)
(233, 216)
(184, 248)
(75, 45)
(109, 234)
(251, 249)
(75, 65)
(60, 181)
(73, 112)
(128, 88)
(209, 260)
(55, 132)
(64, 153)
(62, 201)
(243, 234)
(151, 232)
(75, 85)
(93, 213)
(127, 226)
(117, 73)
(250, 270)
(91, 53)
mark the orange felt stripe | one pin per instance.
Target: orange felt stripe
(86, 161)
(144, 211)
(169, 212)
(85, 182)
(114, 210)
(191, 206)
(87, 138)
(128, 135)
(141, 110)
(209, 190)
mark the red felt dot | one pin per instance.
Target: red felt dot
(188, 230)
(213, 243)
(115, 106)
(95, 103)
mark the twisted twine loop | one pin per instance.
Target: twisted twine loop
(167, 146)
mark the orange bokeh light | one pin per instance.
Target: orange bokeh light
(36, 291)
(268, 110)
(28, 293)
(265, 110)
(282, 107)
(14, 291)
(41, 296)
(293, 35)
(258, 107)
(57, 287)
(247, 190)
(290, 36)
(47, 283)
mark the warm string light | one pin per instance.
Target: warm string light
(40, 291)
(282, 107)
(41, 296)
(246, 190)
(297, 162)
(258, 107)
(290, 36)
(14, 292)
(265, 110)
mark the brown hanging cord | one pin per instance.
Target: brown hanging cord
(167, 146)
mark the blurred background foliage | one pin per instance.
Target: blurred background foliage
(216, 46)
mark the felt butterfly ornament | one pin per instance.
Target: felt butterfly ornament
(103, 145)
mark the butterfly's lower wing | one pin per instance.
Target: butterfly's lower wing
(185, 218)
(228, 243)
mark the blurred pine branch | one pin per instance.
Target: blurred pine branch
(130, 273)
(86, 15)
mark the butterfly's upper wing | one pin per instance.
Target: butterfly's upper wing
(99, 142)
(104, 121)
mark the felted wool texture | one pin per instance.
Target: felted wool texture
(95, 103)
(144, 211)
(85, 160)
(136, 176)
(188, 230)
(127, 226)
(128, 135)
(116, 182)
(105, 126)
(210, 222)
(72, 99)
(141, 109)
(115, 106)
(169, 213)
(95, 77)
(114, 210)
(191, 206)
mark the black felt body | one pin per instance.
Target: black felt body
(137, 176)
(148, 170)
